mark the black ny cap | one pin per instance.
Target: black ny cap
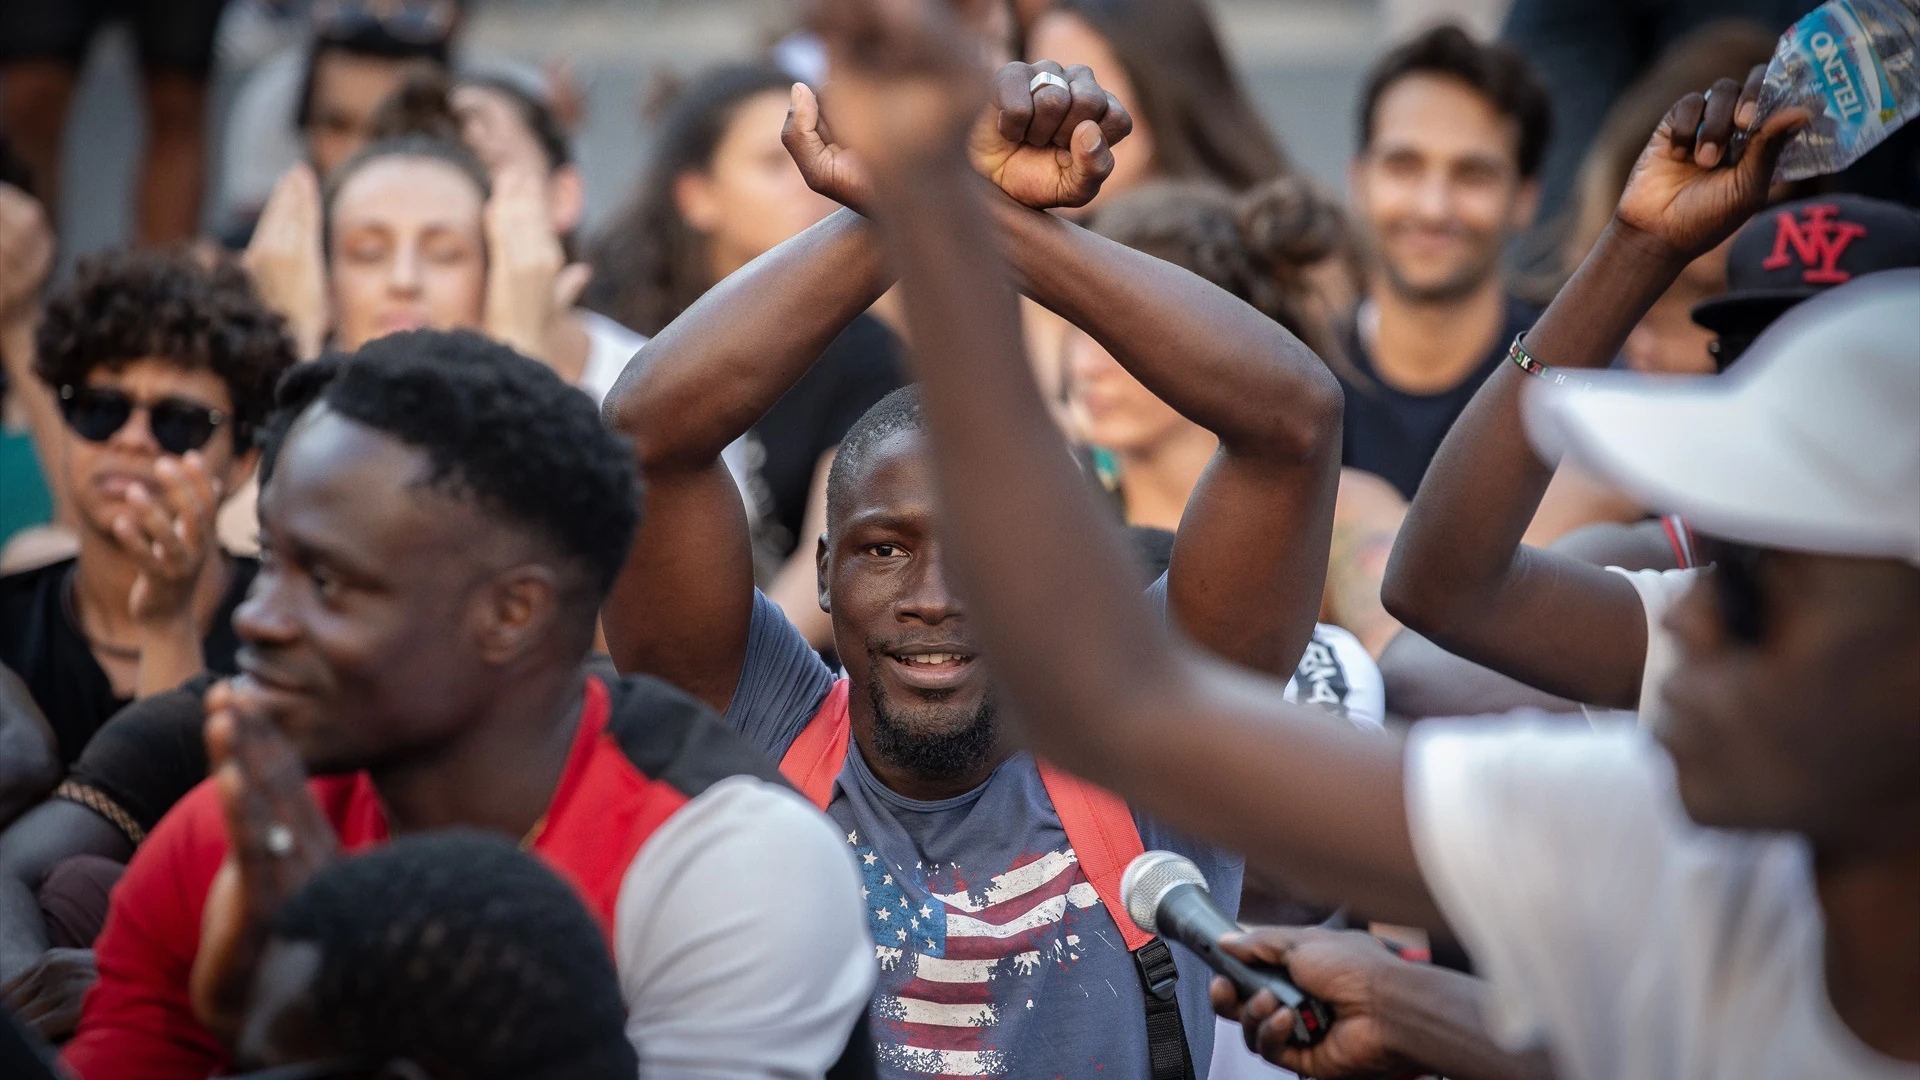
(1795, 250)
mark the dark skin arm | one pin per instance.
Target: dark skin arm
(29, 754)
(1100, 687)
(1459, 572)
(56, 829)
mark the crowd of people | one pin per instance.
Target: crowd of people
(753, 640)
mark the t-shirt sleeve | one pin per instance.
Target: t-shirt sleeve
(782, 682)
(1659, 590)
(746, 863)
(136, 1023)
(148, 756)
(1544, 846)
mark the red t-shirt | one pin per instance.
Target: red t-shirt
(137, 1023)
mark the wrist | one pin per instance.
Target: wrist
(1629, 242)
(1405, 995)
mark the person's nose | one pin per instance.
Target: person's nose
(136, 435)
(403, 276)
(926, 597)
(265, 619)
(1433, 199)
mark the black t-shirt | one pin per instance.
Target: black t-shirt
(858, 368)
(40, 641)
(148, 756)
(1394, 434)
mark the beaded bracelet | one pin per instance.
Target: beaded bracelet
(1524, 360)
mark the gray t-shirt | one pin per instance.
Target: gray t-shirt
(996, 956)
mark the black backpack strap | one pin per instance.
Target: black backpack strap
(1168, 1057)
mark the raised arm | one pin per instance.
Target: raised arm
(1459, 573)
(1250, 560)
(1099, 687)
(682, 605)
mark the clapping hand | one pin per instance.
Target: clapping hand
(529, 282)
(1697, 180)
(277, 839)
(169, 532)
(285, 261)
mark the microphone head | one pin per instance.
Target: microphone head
(1147, 880)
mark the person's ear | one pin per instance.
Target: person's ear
(1526, 203)
(566, 199)
(693, 197)
(823, 572)
(517, 612)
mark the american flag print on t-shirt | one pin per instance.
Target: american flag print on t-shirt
(956, 962)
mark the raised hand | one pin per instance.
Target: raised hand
(26, 254)
(908, 82)
(524, 265)
(1043, 145)
(170, 534)
(285, 261)
(277, 839)
(1706, 170)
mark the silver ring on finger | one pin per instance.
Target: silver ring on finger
(1047, 78)
(279, 840)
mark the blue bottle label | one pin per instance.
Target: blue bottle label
(1859, 97)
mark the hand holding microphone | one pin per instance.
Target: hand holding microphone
(1167, 895)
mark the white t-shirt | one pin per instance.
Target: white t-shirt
(1630, 941)
(609, 347)
(1659, 590)
(740, 939)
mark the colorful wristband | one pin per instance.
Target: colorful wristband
(1524, 360)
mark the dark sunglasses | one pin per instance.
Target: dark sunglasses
(1738, 588)
(416, 22)
(95, 413)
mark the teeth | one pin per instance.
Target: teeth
(933, 658)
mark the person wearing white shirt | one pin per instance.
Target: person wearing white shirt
(1728, 894)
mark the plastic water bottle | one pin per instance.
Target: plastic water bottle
(1855, 65)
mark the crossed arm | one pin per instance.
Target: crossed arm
(1247, 568)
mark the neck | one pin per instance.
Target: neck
(500, 773)
(1157, 480)
(1873, 945)
(103, 579)
(1429, 346)
(567, 347)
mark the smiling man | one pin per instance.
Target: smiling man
(1451, 137)
(440, 530)
(997, 949)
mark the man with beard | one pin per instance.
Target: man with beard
(440, 530)
(1451, 137)
(998, 947)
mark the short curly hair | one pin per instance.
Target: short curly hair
(1498, 72)
(505, 433)
(457, 951)
(898, 412)
(173, 305)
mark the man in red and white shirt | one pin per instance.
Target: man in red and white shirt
(441, 528)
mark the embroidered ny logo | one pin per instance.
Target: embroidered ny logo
(1818, 241)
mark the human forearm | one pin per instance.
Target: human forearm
(23, 930)
(1459, 573)
(1433, 1019)
(170, 654)
(1218, 361)
(710, 374)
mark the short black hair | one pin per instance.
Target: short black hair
(174, 304)
(504, 432)
(897, 412)
(1497, 71)
(298, 388)
(368, 38)
(458, 951)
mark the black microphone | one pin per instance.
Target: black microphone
(1166, 895)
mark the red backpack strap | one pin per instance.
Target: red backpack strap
(1100, 827)
(814, 760)
(1680, 538)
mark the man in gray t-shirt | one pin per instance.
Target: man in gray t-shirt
(996, 955)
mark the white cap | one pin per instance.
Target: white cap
(1810, 443)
